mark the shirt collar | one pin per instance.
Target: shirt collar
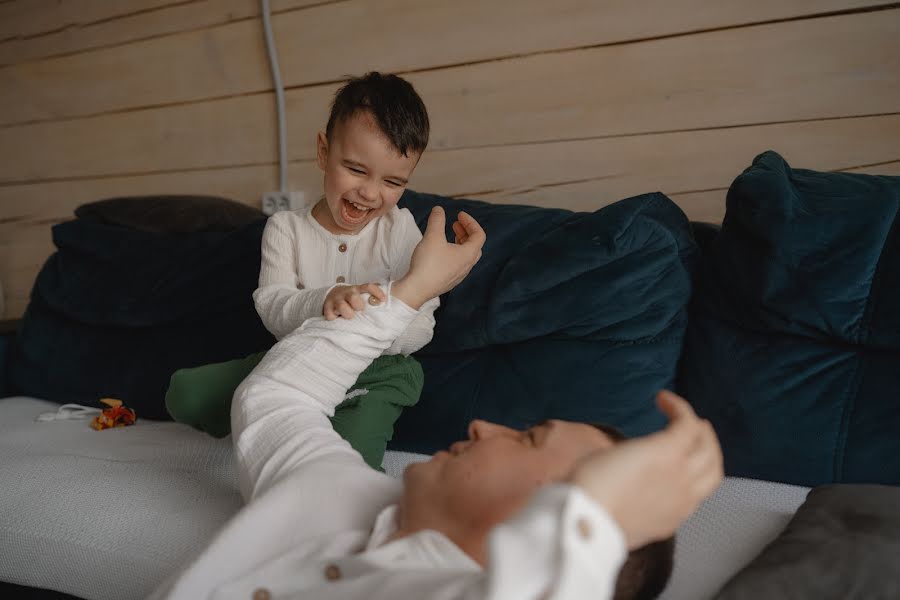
(426, 547)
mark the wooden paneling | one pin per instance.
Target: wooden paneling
(693, 168)
(887, 168)
(572, 103)
(106, 23)
(613, 168)
(30, 18)
(840, 67)
(584, 175)
(237, 131)
(226, 60)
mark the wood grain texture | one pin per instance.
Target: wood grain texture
(30, 18)
(571, 104)
(693, 168)
(225, 60)
(117, 28)
(841, 67)
(887, 168)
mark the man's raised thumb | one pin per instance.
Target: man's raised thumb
(436, 223)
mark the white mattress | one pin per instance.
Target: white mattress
(107, 515)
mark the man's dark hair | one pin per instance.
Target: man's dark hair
(392, 101)
(646, 571)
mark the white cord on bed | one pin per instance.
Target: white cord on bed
(279, 97)
(69, 412)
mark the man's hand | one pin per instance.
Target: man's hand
(650, 485)
(345, 300)
(438, 266)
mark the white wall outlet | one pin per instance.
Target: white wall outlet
(272, 202)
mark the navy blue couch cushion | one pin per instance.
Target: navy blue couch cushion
(4, 345)
(170, 213)
(568, 315)
(115, 311)
(793, 349)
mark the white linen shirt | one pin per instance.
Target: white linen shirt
(317, 517)
(302, 261)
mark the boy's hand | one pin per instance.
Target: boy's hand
(345, 300)
(437, 266)
(650, 485)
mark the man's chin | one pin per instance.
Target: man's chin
(418, 470)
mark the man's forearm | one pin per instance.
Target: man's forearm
(409, 292)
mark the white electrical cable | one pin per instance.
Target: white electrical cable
(279, 97)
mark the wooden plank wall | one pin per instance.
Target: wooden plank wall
(571, 103)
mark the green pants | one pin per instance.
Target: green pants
(201, 397)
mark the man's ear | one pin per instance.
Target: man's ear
(321, 150)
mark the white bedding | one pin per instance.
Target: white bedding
(107, 515)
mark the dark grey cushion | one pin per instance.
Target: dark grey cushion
(843, 543)
(170, 214)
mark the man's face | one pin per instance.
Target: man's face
(365, 175)
(483, 480)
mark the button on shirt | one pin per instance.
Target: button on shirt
(332, 572)
(302, 261)
(318, 521)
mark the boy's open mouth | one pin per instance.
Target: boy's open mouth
(353, 213)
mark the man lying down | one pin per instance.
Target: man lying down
(550, 512)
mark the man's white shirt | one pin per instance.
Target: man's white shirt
(318, 519)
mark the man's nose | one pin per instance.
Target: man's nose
(459, 447)
(480, 430)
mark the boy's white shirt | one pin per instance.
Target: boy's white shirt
(317, 517)
(301, 262)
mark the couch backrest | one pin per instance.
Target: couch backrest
(575, 316)
(793, 350)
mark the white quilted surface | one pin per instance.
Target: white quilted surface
(727, 532)
(394, 462)
(107, 515)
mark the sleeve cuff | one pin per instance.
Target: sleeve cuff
(593, 544)
(562, 545)
(401, 307)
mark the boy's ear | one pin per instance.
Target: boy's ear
(321, 149)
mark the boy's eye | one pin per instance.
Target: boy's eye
(355, 170)
(394, 183)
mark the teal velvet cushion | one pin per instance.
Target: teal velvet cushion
(577, 316)
(793, 348)
(116, 310)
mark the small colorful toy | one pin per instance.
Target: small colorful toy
(117, 415)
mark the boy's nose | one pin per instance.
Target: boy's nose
(367, 192)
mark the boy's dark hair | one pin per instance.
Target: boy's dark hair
(392, 101)
(646, 571)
